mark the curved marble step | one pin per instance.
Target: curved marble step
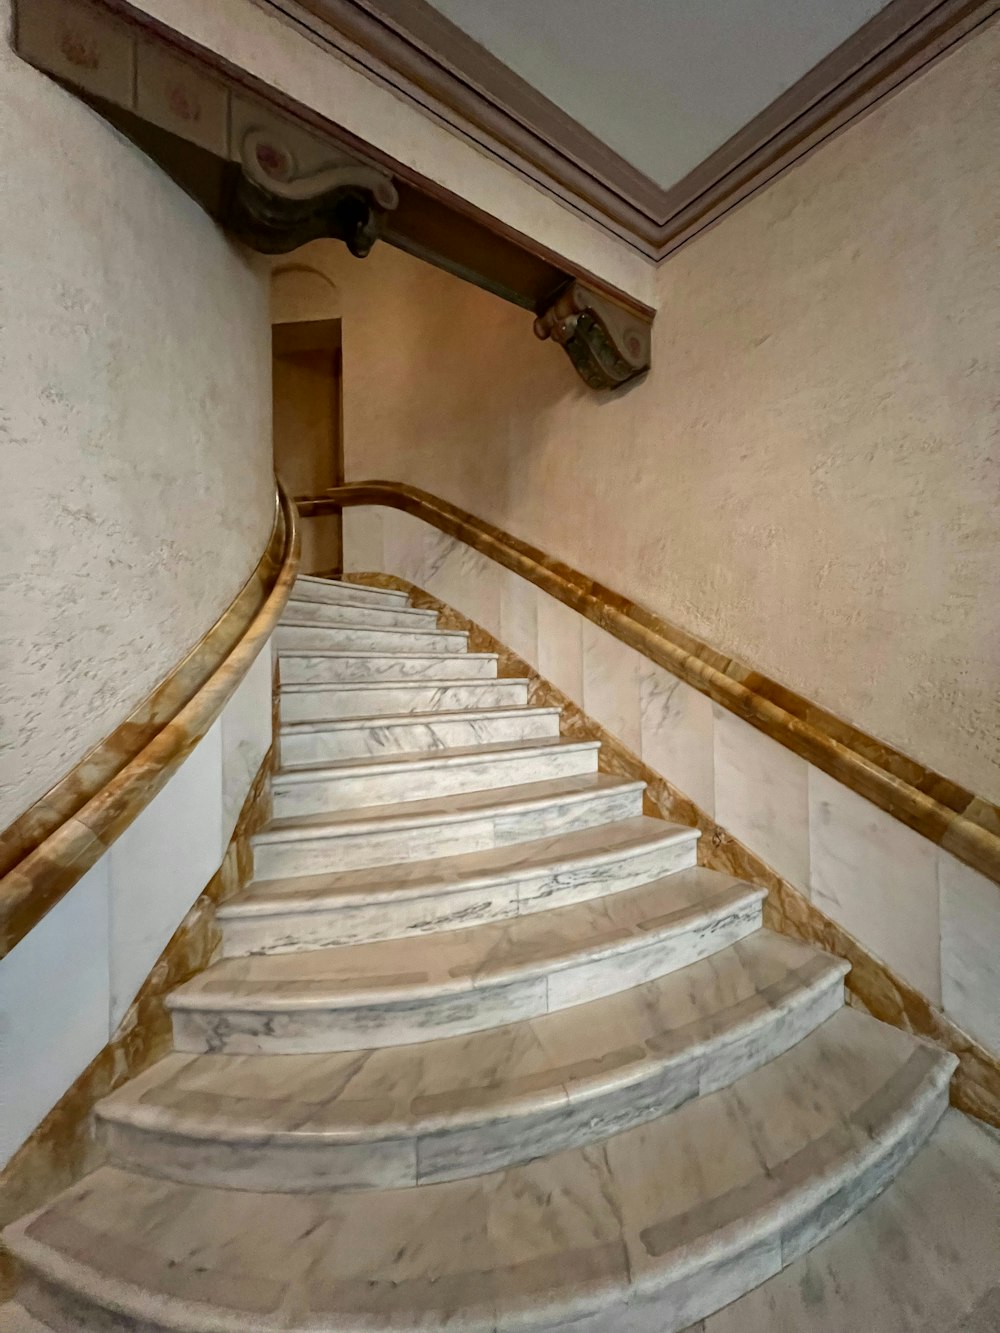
(324, 703)
(467, 822)
(453, 892)
(462, 1106)
(302, 612)
(648, 1232)
(327, 667)
(400, 991)
(364, 639)
(417, 776)
(312, 587)
(316, 742)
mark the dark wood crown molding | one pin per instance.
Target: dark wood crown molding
(410, 46)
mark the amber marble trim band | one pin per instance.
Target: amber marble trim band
(956, 819)
(52, 845)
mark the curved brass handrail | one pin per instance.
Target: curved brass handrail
(52, 845)
(962, 823)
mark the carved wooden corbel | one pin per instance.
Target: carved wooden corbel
(276, 207)
(275, 179)
(607, 344)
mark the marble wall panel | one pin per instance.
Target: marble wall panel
(761, 795)
(611, 683)
(877, 879)
(246, 737)
(677, 727)
(54, 1006)
(560, 646)
(363, 542)
(519, 616)
(970, 949)
(161, 863)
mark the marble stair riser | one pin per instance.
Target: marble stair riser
(278, 855)
(316, 743)
(319, 703)
(367, 617)
(332, 789)
(369, 1156)
(332, 668)
(252, 1026)
(346, 594)
(305, 638)
(453, 907)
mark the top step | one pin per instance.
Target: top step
(310, 588)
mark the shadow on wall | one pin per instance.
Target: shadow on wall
(307, 379)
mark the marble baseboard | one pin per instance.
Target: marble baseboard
(871, 984)
(62, 1149)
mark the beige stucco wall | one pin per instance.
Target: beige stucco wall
(810, 476)
(135, 451)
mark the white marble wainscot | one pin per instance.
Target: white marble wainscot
(54, 1004)
(761, 795)
(877, 879)
(970, 949)
(66, 986)
(677, 725)
(364, 549)
(519, 616)
(560, 646)
(246, 738)
(611, 684)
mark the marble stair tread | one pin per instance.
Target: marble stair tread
(358, 665)
(411, 760)
(921, 1258)
(466, 1105)
(456, 808)
(419, 897)
(653, 1229)
(368, 639)
(327, 702)
(464, 821)
(299, 611)
(376, 885)
(313, 742)
(379, 721)
(315, 586)
(534, 946)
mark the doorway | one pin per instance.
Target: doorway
(307, 368)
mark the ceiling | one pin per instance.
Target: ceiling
(662, 82)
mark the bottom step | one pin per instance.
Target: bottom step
(646, 1233)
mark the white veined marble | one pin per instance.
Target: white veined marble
(327, 668)
(970, 949)
(379, 781)
(315, 743)
(312, 703)
(344, 638)
(299, 611)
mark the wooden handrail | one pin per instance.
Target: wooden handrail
(964, 824)
(57, 840)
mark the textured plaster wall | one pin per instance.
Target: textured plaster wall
(135, 449)
(810, 476)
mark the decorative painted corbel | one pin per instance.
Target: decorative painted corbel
(607, 343)
(276, 207)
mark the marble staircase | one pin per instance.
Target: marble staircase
(484, 1049)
